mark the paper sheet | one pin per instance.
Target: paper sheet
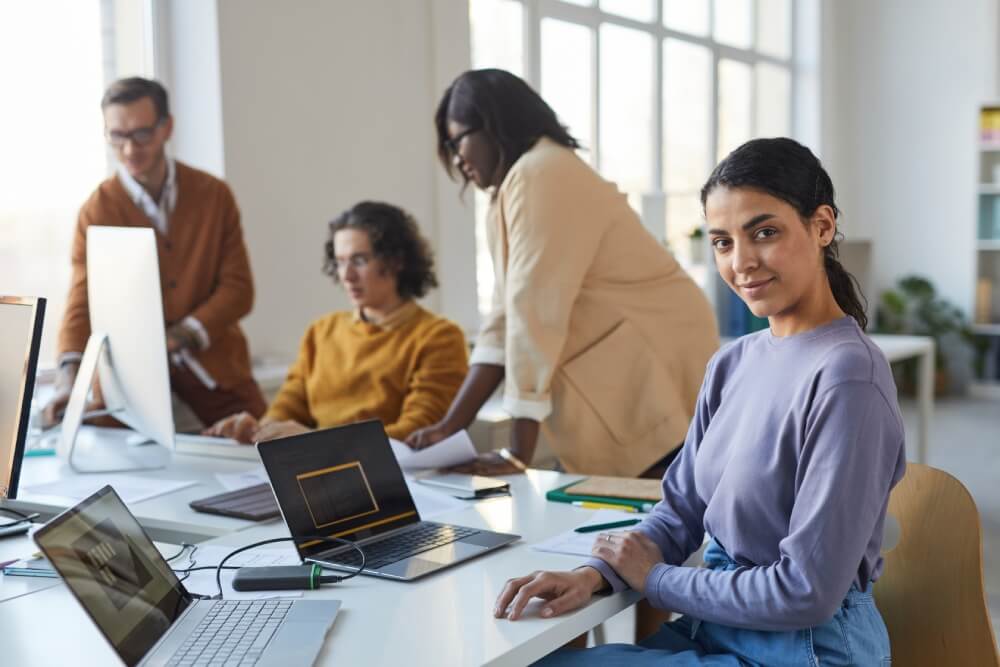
(580, 544)
(203, 581)
(453, 450)
(131, 489)
(431, 502)
(241, 480)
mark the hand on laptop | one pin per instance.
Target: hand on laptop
(244, 427)
(241, 427)
(273, 430)
(563, 591)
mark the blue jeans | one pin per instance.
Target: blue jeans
(855, 635)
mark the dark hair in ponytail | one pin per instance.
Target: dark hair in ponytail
(786, 169)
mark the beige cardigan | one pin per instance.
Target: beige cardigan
(603, 337)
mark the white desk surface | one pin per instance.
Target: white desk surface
(166, 517)
(897, 348)
(444, 619)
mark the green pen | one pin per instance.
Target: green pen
(604, 526)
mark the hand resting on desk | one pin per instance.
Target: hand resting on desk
(631, 555)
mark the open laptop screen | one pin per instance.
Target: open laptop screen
(20, 335)
(116, 573)
(340, 482)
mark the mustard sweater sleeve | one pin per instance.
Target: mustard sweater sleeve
(440, 368)
(292, 401)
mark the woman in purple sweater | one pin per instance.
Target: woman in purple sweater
(788, 463)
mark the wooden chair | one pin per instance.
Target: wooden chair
(931, 592)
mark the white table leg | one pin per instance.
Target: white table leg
(925, 399)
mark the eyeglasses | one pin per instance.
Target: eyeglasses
(452, 143)
(141, 136)
(358, 261)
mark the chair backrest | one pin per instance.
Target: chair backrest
(931, 592)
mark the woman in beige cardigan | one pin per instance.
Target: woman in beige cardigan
(601, 338)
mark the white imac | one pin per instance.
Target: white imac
(20, 335)
(127, 350)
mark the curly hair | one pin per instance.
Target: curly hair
(395, 238)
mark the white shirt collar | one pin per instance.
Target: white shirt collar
(157, 212)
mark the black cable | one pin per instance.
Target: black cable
(184, 547)
(303, 538)
(21, 517)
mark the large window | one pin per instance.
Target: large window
(55, 58)
(657, 90)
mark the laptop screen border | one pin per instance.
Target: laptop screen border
(37, 304)
(186, 599)
(315, 550)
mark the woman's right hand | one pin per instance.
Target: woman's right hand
(564, 592)
(240, 427)
(429, 435)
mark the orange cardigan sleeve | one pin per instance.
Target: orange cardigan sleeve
(292, 401)
(233, 295)
(75, 329)
(440, 368)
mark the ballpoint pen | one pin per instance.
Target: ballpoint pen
(605, 526)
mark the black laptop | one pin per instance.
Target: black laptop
(345, 482)
(148, 616)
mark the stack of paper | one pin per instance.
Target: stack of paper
(580, 544)
(453, 450)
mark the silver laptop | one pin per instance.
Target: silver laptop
(146, 614)
(345, 482)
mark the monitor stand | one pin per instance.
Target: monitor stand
(94, 449)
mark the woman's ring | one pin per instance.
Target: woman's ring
(608, 537)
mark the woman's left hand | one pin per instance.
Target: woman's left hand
(631, 555)
(275, 430)
(489, 464)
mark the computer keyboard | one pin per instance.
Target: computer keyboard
(234, 632)
(424, 537)
(255, 503)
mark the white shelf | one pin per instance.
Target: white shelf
(989, 189)
(988, 244)
(986, 329)
(989, 146)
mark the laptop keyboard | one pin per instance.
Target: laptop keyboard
(424, 537)
(234, 632)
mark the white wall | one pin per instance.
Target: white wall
(191, 73)
(325, 103)
(903, 79)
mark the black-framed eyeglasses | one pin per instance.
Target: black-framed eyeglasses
(140, 136)
(452, 143)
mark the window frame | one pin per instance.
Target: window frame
(533, 11)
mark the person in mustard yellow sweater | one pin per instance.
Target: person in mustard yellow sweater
(389, 359)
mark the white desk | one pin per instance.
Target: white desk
(899, 348)
(445, 619)
(168, 517)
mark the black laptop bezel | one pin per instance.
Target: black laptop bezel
(186, 598)
(37, 304)
(316, 551)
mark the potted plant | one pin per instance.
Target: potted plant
(914, 308)
(696, 245)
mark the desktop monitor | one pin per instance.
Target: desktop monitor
(20, 335)
(127, 350)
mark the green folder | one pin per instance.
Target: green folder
(559, 495)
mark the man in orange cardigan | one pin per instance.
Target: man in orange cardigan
(204, 268)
